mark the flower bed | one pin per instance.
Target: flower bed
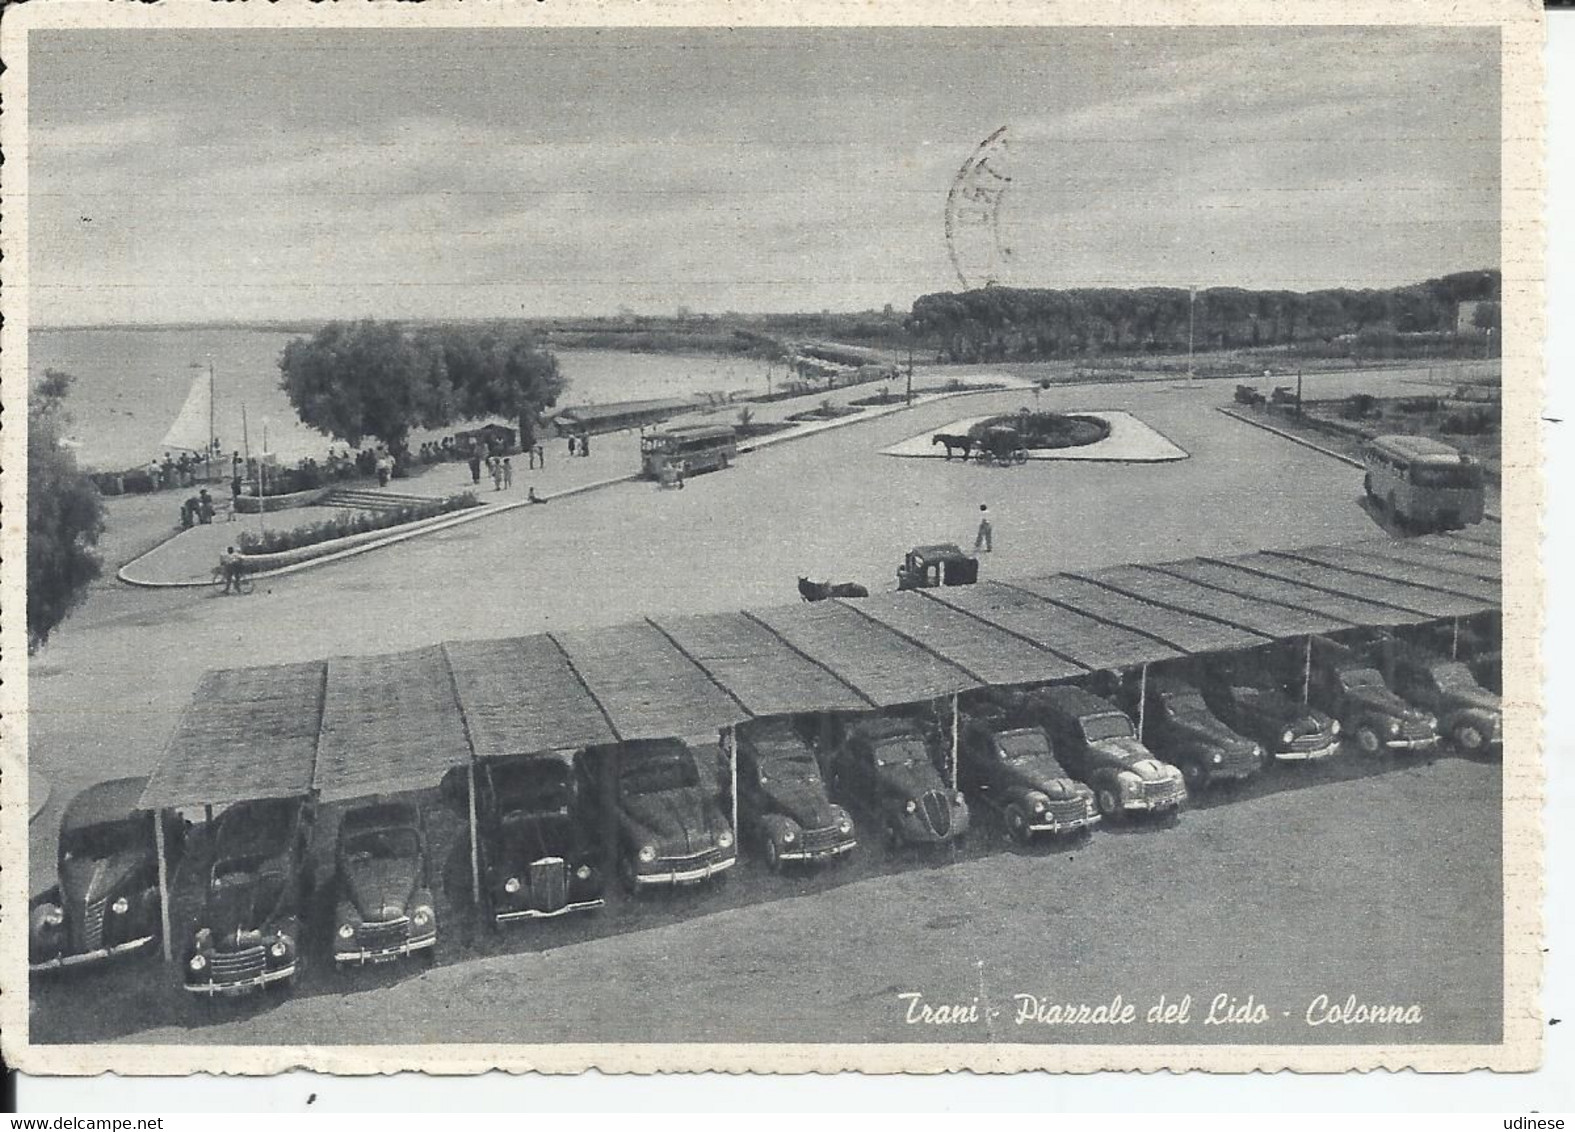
(343, 526)
(1047, 430)
(824, 413)
(251, 504)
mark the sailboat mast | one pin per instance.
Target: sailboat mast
(209, 472)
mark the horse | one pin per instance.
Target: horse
(952, 440)
(820, 591)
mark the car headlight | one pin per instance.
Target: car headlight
(421, 917)
(1394, 727)
(725, 838)
(583, 872)
(1287, 736)
(648, 853)
(958, 798)
(1129, 783)
(279, 949)
(1334, 727)
(121, 906)
(787, 837)
(845, 825)
(53, 916)
(346, 931)
(1431, 721)
(1040, 805)
(910, 806)
(512, 885)
(198, 962)
(1216, 758)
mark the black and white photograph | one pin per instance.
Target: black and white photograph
(743, 539)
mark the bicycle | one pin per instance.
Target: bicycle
(243, 583)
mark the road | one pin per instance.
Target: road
(1225, 893)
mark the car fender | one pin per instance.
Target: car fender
(775, 827)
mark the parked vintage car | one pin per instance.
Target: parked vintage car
(671, 830)
(1353, 691)
(1468, 713)
(884, 765)
(539, 841)
(1487, 667)
(1250, 703)
(383, 882)
(1097, 743)
(944, 564)
(782, 800)
(1179, 727)
(249, 932)
(1012, 769)
(106, 899)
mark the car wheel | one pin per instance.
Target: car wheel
(1109, 804)
(1195, 775)
(1468, 737)
(1017, 824)
(892, 836)
(773, 855)
(626, 876)
(1367, 739)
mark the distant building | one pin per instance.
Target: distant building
(616, 415)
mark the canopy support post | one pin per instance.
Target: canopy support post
(954, 743)
(730, 745)
(475, 841)
(164, 885)
(1142, 700)
(1454, 640)
(1307, 670)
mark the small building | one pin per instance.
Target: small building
(617, 415)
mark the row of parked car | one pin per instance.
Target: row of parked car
(551, 827)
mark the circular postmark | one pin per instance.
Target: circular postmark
(973, 214)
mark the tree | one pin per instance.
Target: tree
(509, 375)
(367, 379)
(65, 515)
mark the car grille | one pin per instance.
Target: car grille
(90, 932)
(1159, 791)
(817, 840)
(1239, 759)
(1309, 742)
(233, 966)
(549, 884)
(937, 813)
(379, 934)
(1064, 811)
(692, 860)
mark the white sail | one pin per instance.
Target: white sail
(193, 423)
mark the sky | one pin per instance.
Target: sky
(270, 174)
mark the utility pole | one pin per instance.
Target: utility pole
(1192, 311)
(910, 370)
(1298, 392)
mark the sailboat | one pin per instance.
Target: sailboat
(192, 429)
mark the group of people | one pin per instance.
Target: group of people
(197, 509)
(175, 471)
(580, 445)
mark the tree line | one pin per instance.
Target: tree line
(381, 380)
(1010, 323)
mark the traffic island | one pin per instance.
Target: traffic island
(1107, 435)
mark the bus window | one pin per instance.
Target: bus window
(1446, 475)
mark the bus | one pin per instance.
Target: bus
(1423, 483)
(685, 450)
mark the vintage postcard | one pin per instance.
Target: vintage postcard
(778, 537)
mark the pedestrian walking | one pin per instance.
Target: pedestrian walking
(541, 455)
(571, 446)
(204, 507)
(585, 444)
(985, 538)
(475, 465)
(495, 466)
(508, 473)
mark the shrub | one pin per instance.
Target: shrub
(360, 522)
(1358, 406)
(1471, 422)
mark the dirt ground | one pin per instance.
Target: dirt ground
(1380, 881)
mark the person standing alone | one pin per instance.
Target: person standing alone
(985, 538)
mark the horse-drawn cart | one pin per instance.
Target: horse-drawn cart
(1002, 445)
(943, 564)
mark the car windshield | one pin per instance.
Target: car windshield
(100, 841)
(663, 772)
(532, 787)
(1023, 746)
(1112, 725)
(1446, 475)
(1455, 677)
(1361, 678)
(798, 765)
(901, 752)
(1185, 703)
(383, 845)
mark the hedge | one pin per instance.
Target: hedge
(342, 526)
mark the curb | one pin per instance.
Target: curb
(474, 514)
(1305, 443)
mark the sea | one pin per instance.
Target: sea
(131, 382)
